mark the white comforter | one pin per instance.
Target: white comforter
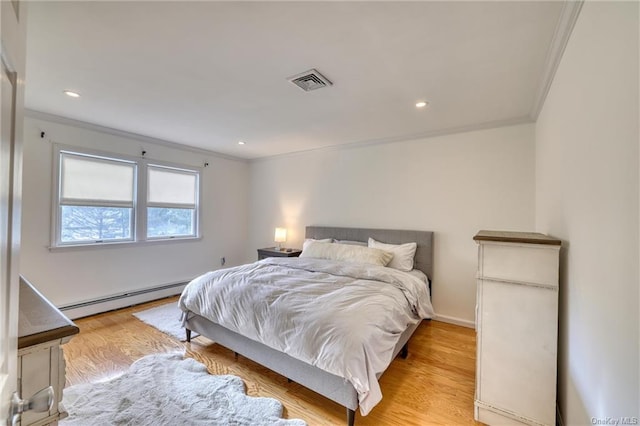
(344, 318)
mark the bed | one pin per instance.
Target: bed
(313, 374)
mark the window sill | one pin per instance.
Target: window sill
(124, 244)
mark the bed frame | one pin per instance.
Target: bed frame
(329, 385)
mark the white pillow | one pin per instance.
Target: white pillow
(403, 254)
(308, 240)
(346, 253)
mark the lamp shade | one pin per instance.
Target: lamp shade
(281, 235)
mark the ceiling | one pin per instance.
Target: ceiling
(210, 74)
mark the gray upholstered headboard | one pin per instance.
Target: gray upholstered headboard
(424, 239)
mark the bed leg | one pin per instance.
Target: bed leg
(351, 417)
(404, 352)
(188, 334)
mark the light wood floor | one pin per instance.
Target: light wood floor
(434, 385)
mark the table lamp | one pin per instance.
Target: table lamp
(280, 237)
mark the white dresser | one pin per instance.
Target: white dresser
(42, 330)
(517, 328)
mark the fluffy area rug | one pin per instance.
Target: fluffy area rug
(169, 390)
(166, 318)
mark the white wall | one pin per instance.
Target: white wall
(454, 185)
(75, 275)
(587, 194)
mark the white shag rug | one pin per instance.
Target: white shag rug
(169, 390)
(166, 318)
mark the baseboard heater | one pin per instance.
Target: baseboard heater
(122, 300)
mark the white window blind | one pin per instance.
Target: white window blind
(172, 187)
(96, 181)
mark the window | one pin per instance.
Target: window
(171, 202)
(96, 199)
(103, 199)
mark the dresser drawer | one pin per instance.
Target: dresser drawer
(517, 349)
(535, 264)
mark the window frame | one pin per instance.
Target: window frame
(139, 208)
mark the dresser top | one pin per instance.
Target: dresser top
(517, 237)
(39, 321)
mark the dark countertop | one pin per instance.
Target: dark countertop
(39, 321)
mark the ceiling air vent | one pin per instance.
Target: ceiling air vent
(310, 80)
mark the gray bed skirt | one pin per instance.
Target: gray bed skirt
(329, 385)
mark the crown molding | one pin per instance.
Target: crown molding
(360, 144)
(405, 138)
(52, 118)
(564, 28)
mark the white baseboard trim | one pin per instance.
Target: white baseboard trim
(122, 300)
(454, 320)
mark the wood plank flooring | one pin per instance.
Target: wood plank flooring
(433, 386)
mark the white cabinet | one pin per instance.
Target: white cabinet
(42, 330)
(517, 328)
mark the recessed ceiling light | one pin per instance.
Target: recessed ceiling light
(421, 104)
(72, 94)
(240, 143)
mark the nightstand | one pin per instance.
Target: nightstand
(263, 253)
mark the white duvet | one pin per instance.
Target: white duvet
(344, 318)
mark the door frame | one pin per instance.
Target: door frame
(12, 67)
